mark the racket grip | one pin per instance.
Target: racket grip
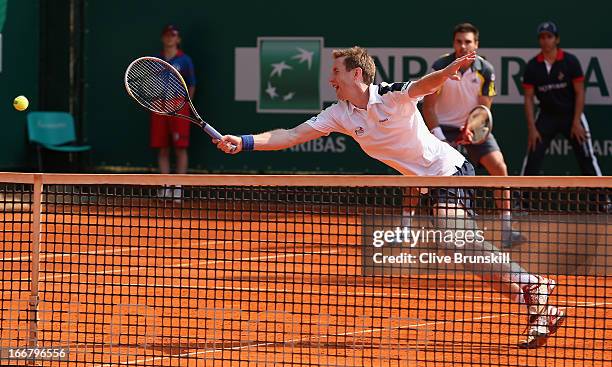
(211, 131)
(215, 134)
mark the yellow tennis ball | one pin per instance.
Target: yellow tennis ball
(21, 103)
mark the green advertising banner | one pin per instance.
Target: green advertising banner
(289, 75)
(19, 59)
(266, 67)
(2, 14)
(410, 63)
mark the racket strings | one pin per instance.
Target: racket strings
(161, 90)
(156, 86)
(479, 123)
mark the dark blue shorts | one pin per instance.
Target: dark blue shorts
(463, 196)
(474, 152)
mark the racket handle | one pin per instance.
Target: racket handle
(211, 131)
(215, 134)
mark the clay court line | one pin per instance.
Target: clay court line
(205, 262)
(360, 332)
(96, 252)
(52, 256)
(283, 290)
(269, 290)
(572, 303)
(368, 331)
(120, 250)
(129, 249)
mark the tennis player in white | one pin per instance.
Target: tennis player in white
(386, 123)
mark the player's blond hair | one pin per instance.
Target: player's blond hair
(357, 57)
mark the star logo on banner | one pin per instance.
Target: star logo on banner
(283, 71)
(278, 69)
(304, 56)
(289, 74)
(271, 91)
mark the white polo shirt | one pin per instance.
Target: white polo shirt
(391, 130)
(457, 98)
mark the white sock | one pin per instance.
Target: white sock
(524, 278)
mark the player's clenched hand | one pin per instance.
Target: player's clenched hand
(465, 137)
(229, 144)
(460, 63)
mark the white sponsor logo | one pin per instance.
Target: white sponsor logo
(403, 64)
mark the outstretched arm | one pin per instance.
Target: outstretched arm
(434, 80)
(272, 140)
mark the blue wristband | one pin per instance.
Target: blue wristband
(248, 143)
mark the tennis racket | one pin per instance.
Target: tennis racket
(478, 126)
(159, 87)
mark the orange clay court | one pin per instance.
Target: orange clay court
(144, 281)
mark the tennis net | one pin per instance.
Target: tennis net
(154, 270)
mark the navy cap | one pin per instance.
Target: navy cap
(549, 27)
(170, 28)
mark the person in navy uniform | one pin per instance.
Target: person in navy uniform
(555, 77)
